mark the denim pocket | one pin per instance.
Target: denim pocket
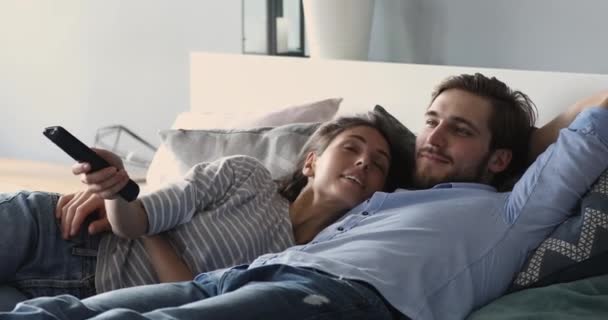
(81, 288)
(49, 264)
(77, 278)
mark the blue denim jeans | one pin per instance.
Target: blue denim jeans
(34, 258)
(9, 297)
(268, 292)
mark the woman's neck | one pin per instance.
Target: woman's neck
(310, 215)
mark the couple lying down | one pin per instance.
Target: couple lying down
(334, 240)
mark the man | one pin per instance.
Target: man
(431, 253)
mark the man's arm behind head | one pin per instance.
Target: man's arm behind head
(541, 138)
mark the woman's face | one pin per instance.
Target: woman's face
(354, 165)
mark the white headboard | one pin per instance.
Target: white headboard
(261, 83)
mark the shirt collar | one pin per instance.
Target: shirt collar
(453, 185)
(472, 185)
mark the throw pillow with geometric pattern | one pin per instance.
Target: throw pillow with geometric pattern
(578, 248)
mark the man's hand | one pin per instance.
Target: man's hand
(73, 209)
(107, 182)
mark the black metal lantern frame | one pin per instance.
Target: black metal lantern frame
(276, 9)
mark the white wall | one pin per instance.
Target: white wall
(87, 64)
(548, 35)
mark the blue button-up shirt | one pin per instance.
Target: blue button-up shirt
(442, 252)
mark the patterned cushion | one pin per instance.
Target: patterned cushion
(577, 249)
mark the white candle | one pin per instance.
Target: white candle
(282, 29)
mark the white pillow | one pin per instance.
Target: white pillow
(165, 165)
(317, 111)
(276, 147)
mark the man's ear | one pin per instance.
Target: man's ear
(499, 161)
(309, 164)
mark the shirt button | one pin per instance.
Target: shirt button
(365, 213)
(340, 229)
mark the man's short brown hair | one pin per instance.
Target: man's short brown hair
(511, 122)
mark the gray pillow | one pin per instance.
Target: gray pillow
(578, 248)
(277, 148)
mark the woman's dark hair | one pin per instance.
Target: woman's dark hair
(291, 185)
(512, 119)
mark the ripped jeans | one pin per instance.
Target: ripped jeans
(34, 258)
(267, 292)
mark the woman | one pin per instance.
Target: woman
(223, 213)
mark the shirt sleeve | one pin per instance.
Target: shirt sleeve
(554, 183)
(204, 186)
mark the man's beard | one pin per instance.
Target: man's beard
(479, 175)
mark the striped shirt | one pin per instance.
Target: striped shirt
(220, 214)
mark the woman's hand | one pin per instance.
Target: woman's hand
(127, 219)
(72, 209)
(107, 182)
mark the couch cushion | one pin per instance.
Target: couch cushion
(578, 248)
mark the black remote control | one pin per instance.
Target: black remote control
(81, 153)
